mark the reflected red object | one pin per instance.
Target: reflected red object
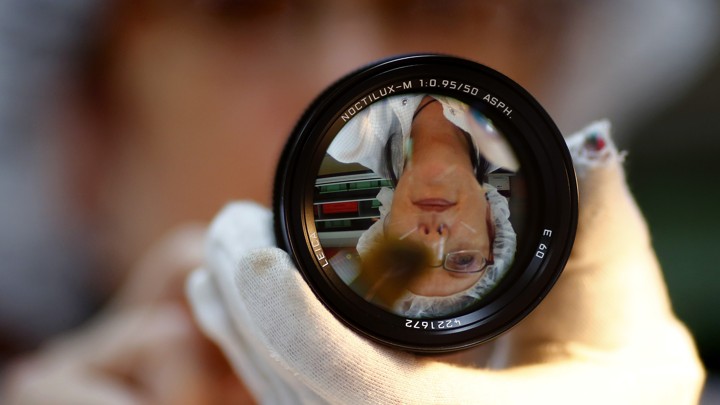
(340, 208)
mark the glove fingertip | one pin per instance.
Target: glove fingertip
(240, 227)
(262, 262)
(593, 147)
(608, 214)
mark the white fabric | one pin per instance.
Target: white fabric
(246, 227)
(362, 140)
(604, 334)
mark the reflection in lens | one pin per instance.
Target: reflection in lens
(388, 268)
(466, 261)
(413, 205)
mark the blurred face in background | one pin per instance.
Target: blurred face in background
(186, 105)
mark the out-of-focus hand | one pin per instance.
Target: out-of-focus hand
(604, 335)
(143, 349)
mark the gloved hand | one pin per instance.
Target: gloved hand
(605, 334)
(143, 348)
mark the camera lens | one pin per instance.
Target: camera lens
(429, 202)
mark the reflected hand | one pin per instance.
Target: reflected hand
(604, 334)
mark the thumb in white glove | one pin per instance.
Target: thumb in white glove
(605, 333)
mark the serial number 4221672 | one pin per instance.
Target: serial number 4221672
(444, 324)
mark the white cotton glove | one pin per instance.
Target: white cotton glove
(604, 335)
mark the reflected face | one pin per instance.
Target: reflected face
(438, 202)
(412, 215)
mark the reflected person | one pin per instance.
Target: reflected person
(432, 149)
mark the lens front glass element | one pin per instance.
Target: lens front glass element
(417, 202)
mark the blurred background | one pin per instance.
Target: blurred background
(121, 121)
(672, 155)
